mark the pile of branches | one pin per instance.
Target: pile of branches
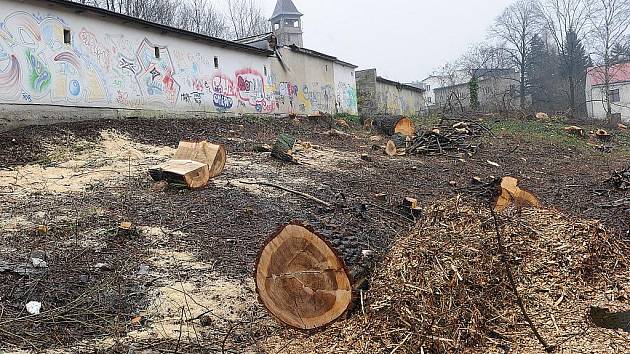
(450, 136)
(443, 288)
(620, 179)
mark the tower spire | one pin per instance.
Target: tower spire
(287, 23)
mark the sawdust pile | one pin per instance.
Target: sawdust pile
(81, 164)
(443, 288)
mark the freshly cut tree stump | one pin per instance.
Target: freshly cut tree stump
(188, 173)
(212, 155)
(395, 125)
(283, 148)
(301, 280)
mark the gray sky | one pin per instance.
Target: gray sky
(404, 39)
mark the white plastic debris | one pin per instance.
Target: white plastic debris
(34, 307)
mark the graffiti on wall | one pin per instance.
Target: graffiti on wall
(346, 97)
(38, 64)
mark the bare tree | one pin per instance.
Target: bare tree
(515, 29)
(202, 17)
(610, 21)
(246, 18)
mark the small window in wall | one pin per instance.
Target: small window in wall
(157, 52)
(276, 25)
(352, 74)
(216, 62)
(429, 99)
(613, 95)
(326, 67)
(265, 70)
(67, 37)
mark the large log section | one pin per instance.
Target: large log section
(301, 280)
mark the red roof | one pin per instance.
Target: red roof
(618, 73)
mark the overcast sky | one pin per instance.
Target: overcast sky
(404, 39)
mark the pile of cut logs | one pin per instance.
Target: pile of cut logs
(449, 136)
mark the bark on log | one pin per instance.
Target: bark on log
(283, 148)
(301, 280)
(391, 125)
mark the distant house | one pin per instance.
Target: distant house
(377, 95)
(498, 90)
(434, 82)
(619, 92)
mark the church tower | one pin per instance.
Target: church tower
(286, 23)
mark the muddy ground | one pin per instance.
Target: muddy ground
(182, 282)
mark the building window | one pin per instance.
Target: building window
(429, 99)
(613, 96)
(157, 52)
(216, 62)
(265, 70)
(67, 37)
(429, 89)
(326, 67)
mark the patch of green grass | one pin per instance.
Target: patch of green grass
(531, 131)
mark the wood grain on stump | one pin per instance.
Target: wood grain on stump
(202, 151)
(301, 280)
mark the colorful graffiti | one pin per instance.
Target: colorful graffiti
(40, 63)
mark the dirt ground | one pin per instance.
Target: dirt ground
(182, 282)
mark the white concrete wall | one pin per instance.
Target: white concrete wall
(596, 101)
(346, 89)
(399, 101)
(111, 64)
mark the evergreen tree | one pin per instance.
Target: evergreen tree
(620, 53)
(573, 68)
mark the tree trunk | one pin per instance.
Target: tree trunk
(391, 125)
(301, 279)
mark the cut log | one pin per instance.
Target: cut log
(390, 149)
(395, 125)
(301, 280)
(283, 148)
(187, 173)
(212, 155)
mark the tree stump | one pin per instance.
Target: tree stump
(391, 125)
(301, 279)
(212, 155)
(283, 148)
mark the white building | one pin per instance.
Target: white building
(619, 92)
(62, 60)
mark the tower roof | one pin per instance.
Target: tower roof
(285, 7)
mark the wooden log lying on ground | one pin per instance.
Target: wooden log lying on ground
(192, 166)
(301, 280)
(212, 155)
(185, 173)
(395, 125)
